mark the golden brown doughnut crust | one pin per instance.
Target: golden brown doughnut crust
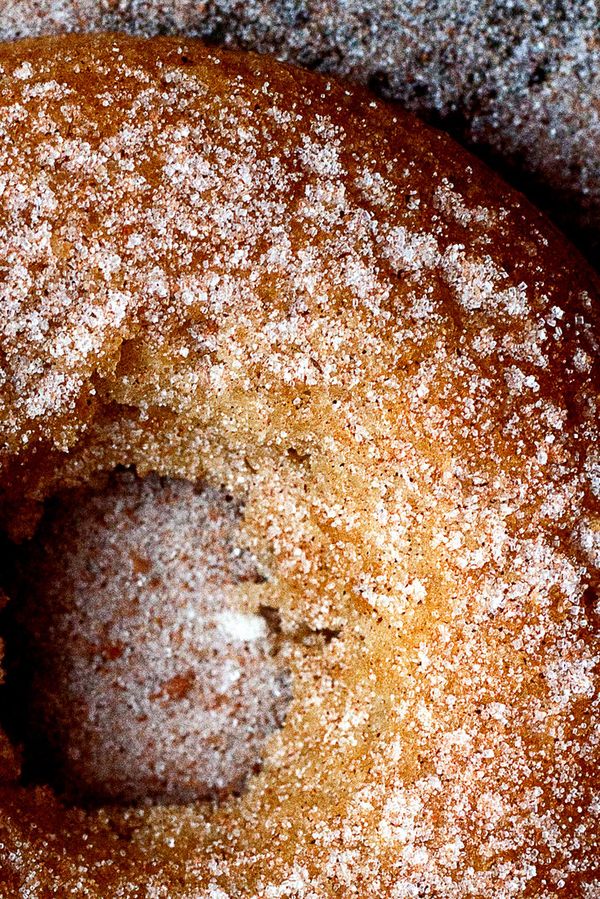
(217, 267)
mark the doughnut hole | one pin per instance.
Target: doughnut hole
(142, 671)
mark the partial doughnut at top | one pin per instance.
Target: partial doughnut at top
(237, 274)
(518, 80)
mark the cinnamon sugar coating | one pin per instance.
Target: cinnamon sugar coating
(221, 269)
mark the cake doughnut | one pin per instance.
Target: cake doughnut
(519, 81)
(223, 277)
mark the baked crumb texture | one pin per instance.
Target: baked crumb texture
(520, 80)
(223, 270)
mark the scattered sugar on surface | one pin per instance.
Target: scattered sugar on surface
(147, 682)
(394, 392)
